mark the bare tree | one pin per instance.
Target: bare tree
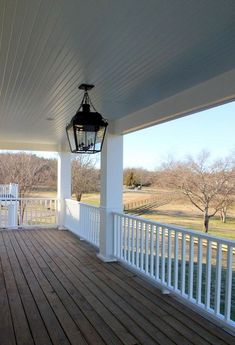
(133, 177)
(227, 197)
(205, 184)
(85, 177)
(226, 205)
(129, 178)
(27, 170)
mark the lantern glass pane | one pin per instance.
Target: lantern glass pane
(85, 140)
(90, 140)
(99, 138)
(70, 134)
(80, 139)
(100, 134)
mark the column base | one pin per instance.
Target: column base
(106, 258)
(61, 227)
(165, 291)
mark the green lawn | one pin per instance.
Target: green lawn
(91, 199)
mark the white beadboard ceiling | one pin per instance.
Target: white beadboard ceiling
(136, 52)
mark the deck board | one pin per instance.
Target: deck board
(35, 321)
(7, 335)
(54, 290)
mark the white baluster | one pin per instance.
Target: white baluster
(151, 249)
(183, 254)
(176, 261)
(169, 259)
(146, 249)
(133, 242)
(208, 276)
(228, 288)
(218, 278)
(199, 271)
(137, 244)
(128, 240)
(163, 256)
(157, 254)
(141, 246)
(191, 262)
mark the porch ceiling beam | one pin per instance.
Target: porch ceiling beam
(213, 92)
(29, 146)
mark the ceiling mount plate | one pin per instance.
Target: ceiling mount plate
(86, 87)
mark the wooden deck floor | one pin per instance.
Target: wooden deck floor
(53, 290)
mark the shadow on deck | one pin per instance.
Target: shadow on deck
(53, 290)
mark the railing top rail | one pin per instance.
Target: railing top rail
(180, 229)
(14, 198)
(83, 204)
(37, 198)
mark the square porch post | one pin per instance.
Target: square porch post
(63, 184)
(111, 192)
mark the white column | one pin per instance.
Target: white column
(63, 184)
(111, 192)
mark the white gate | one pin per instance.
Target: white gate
(8, 205)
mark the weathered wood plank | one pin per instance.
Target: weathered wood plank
(20, 323)
(137, 314)
(35, 321)
(7, 336)
(97, 299)
(67, 294)
(44, 304)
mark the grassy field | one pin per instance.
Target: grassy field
(182, 213)
(216, 227)
(177, 212)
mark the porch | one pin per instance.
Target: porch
(151, 64)
(54, 290)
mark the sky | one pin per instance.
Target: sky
(212, 130)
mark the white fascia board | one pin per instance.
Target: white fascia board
(213, 92)
(28, 146)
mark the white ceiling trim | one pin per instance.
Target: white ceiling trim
(29, 146)
(213, 92)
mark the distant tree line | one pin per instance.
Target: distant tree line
(138, 177)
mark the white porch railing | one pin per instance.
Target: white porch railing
(83, 220)
(196, 266)
(10, 190)
(28, 212)
(38, 212)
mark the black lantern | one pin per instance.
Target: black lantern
(87, 128)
